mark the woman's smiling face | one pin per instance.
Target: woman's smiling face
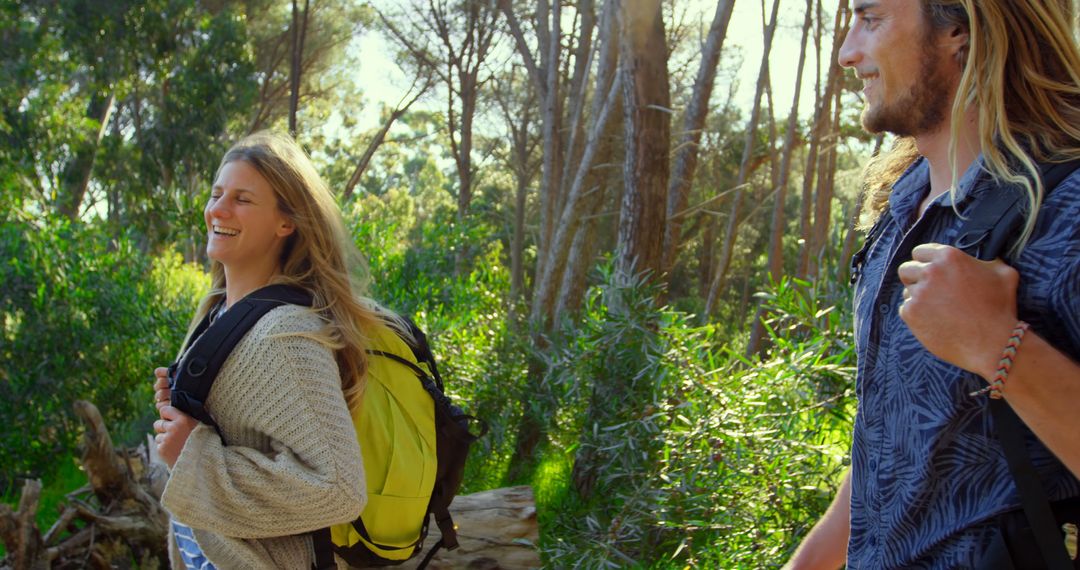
(245, 227)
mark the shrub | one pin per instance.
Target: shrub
(690, 454)
(84, 316)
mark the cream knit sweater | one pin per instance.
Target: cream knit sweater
(292, 463)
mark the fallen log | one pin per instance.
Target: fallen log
(115, 521)
(497, 530)
(19, 531)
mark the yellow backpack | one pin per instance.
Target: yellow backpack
(396, 428)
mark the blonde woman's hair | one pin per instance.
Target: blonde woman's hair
(1021, 70)
(318, 256)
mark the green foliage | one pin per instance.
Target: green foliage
(87, 317)
(68, 476)
(689, 454)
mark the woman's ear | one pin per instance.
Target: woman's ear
(286, 228)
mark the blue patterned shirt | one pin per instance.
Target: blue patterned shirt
(928, 474)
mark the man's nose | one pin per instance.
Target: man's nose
(850, 53)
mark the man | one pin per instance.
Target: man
(979, 90)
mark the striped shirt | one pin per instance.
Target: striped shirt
(189, 549)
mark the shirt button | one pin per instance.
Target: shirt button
(872, 465)
(883, 308)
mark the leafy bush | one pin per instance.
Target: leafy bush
(84, 317)
(688, 453)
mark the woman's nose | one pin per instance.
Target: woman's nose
(218, 207)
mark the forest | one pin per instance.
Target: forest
(629, 250)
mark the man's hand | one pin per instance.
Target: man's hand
(172, 430)
(960, 308)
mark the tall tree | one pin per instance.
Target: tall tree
(647, 125)
(98, 35)
(516, 101)
(561, 210)
(399, 110)
(826, 133)
(298, 34)
(734, 218)
(326, 27)
(686, 158)
(451, 40)
(778, 225)
(561, 207)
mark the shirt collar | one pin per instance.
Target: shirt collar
(910, 189)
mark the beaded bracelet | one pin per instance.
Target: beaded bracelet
(1006, 362)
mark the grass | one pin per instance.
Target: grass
(69, 477)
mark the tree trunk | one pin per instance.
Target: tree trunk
(497, 530)
(517, 242)
(376, 142)
(776, 234)
(686, 159)
(823, 200)
(582, 254)
(827, 158)
(299, 32)
(18, 529)
(518, 116)
(76, 175)
(545, 294)
(647, 116)
(583, 59)
(559, 212)
(586, 242)
(807, 197)
(730, 235)
(550, 189)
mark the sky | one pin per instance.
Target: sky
(383, 81)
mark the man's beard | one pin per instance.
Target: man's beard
(921, 109)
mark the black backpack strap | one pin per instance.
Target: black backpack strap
(324, 550)
(422, 351)
(872, 236)
(192, 377)
(431, 554)
(986, 235)
(1036, 507)
(995, 221)
(446, 526)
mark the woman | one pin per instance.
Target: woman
(286, 461)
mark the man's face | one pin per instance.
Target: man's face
(908, 80)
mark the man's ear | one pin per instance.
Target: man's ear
(957, 41)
